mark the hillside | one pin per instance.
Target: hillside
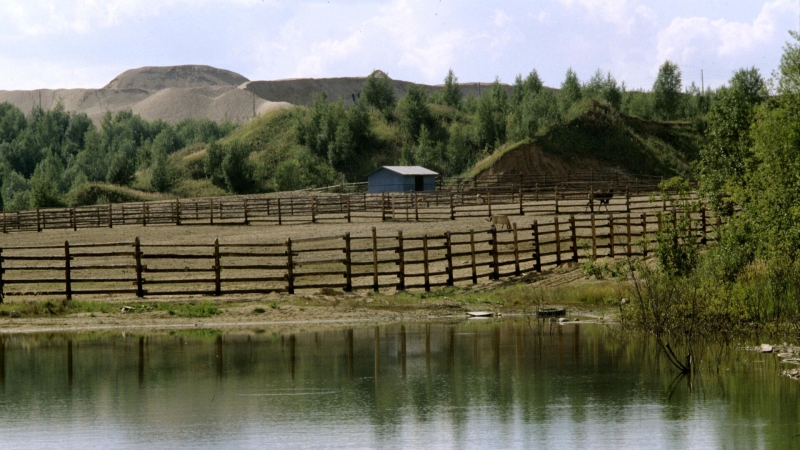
(596, 137)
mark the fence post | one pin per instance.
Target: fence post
(556, 198)
(401, 263)
(73, 220)
(374, 259)
(416, 207)
(2, 290)
(348, 268)
(594, 239)
(628, 229)
(574, 235)
(137, 254)
(516, 250)
(611, 233)
(4, 221)
(449, 254)
(489, 202)
(521, 211)
(38, 220)
(289, 267)
(348, 208)
(280, 218)
(211, 211)
(627, 199)
(472, 254)
(383, 207)
(217, 269)
(703, 239)
(558, 240)
(67, 271)
(535, 227)
(644, 234)
(425, 262)
(246, 214)
(452, 208)
(313, 210)
(495, 256)
(144, 214)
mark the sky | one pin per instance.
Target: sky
(86, 43)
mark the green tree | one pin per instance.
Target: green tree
(667, 90)
(570, 89)
(212, 164)
(236, 168)
(162, 175)
(451, 93)
(492, 110)
(12, 122)
(378, 92)
(414, 112)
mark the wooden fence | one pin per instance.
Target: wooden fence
(333, 208)
(374, 261)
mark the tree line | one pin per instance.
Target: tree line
(47, 157)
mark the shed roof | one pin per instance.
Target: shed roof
(406, 170)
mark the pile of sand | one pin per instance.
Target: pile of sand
(174, 93)
(157, 78)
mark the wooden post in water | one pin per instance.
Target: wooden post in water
(472, 255)
(289, 267)
(217, 269)
(401, 266)
(536, 247)
(137, 254)
(348, 260)
(495, 256)
(67, 271)
(449, 254)
(574, 236)
(374, 259)
(425, 262)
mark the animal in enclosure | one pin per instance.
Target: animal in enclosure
(480, 199)
(501, 220)
(604, 197)
(422, 202)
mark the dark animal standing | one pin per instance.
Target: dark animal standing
(603, 196)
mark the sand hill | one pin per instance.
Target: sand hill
(174, 93)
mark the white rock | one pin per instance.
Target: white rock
(766, 348)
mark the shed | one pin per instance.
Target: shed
(402, 179)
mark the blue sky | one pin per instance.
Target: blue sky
(85, 43)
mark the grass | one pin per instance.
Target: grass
(90, 193)
(66, 307)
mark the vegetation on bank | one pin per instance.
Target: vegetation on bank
(750, 281)
(59, 158)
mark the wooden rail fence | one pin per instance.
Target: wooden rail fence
(347, 262)
(334, 208)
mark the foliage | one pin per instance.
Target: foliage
(570, 92)
(236, 168)
(451, 93)
(667, 90)
(378, 92)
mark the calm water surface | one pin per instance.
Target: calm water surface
(475, 384)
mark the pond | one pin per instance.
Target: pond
(469, 384)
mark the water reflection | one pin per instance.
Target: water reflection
(513, 383)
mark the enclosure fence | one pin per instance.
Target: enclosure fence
(345, 262)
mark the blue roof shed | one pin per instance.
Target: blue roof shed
(402, 179)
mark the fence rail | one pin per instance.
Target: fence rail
(374, 262)
(339, 208)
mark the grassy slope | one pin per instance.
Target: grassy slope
(636, 145)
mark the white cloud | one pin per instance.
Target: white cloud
(689, 39)
(33, 73)
(42, 17)
(501, 19)
(617, 12)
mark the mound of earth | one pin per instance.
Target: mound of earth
(190, 76)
